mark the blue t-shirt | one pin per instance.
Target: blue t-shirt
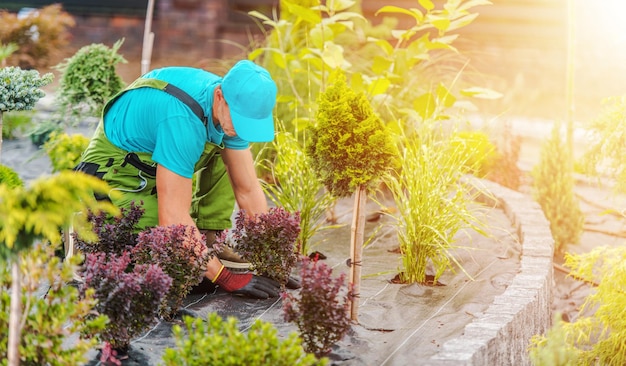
(153, 121)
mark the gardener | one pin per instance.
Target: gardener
(176, 121)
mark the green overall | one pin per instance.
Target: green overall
(134, 174)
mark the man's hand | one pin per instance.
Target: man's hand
(247, 284)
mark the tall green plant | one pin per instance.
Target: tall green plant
(554, 191)
(597, 339)
(295, 185)
(89, 79)
(433, 202)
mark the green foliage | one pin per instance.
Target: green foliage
(433, 203)
(399, 70)
(38, 35)
(9, 177)
(89, 80)
(554, 191)
(65, 150)
(5, 51)
(554, 348)
(16, 123)
(597, 339)
(350, 146)
(45, 207)
(295, 186)
(606, 151)
(480, 152)
(219, 342)
(49, 320)
(20, 89)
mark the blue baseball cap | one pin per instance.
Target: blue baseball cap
(251, 95)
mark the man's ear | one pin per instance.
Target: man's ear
(218, 92)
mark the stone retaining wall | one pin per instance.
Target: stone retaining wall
(501, 335)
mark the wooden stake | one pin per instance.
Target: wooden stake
(15, 314)
(356, 249)
(148, 39)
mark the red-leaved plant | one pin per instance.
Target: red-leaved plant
(127, 294)
(267, 241)
(115, 235)
(180, 252)
(321, 311)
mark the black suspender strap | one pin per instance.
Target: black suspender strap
(188, 100)
(172, 90)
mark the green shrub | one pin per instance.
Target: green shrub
(350, 146)
(219, 342)
(20, 89)
(9, 177)
(596, 339)
(554, 191)
(65, 150)
(38, 35)
(89, 80)
(50, 319)
(16, 123)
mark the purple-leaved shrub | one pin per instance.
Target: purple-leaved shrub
(267, 241)
(181, 253)
(129, 296)
(321, 311)
(115, 235)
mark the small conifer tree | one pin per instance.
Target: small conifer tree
(554, 190)
(351, 149)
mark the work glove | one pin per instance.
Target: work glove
(293, 283)
(247, 284)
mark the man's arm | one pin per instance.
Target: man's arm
(174, 202)
(246, 186)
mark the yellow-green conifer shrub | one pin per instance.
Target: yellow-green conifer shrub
(554, 191)
(220, 342)
(10, 177)
(65, 150)
(596, 339)
(45, 207)
(350, 146)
